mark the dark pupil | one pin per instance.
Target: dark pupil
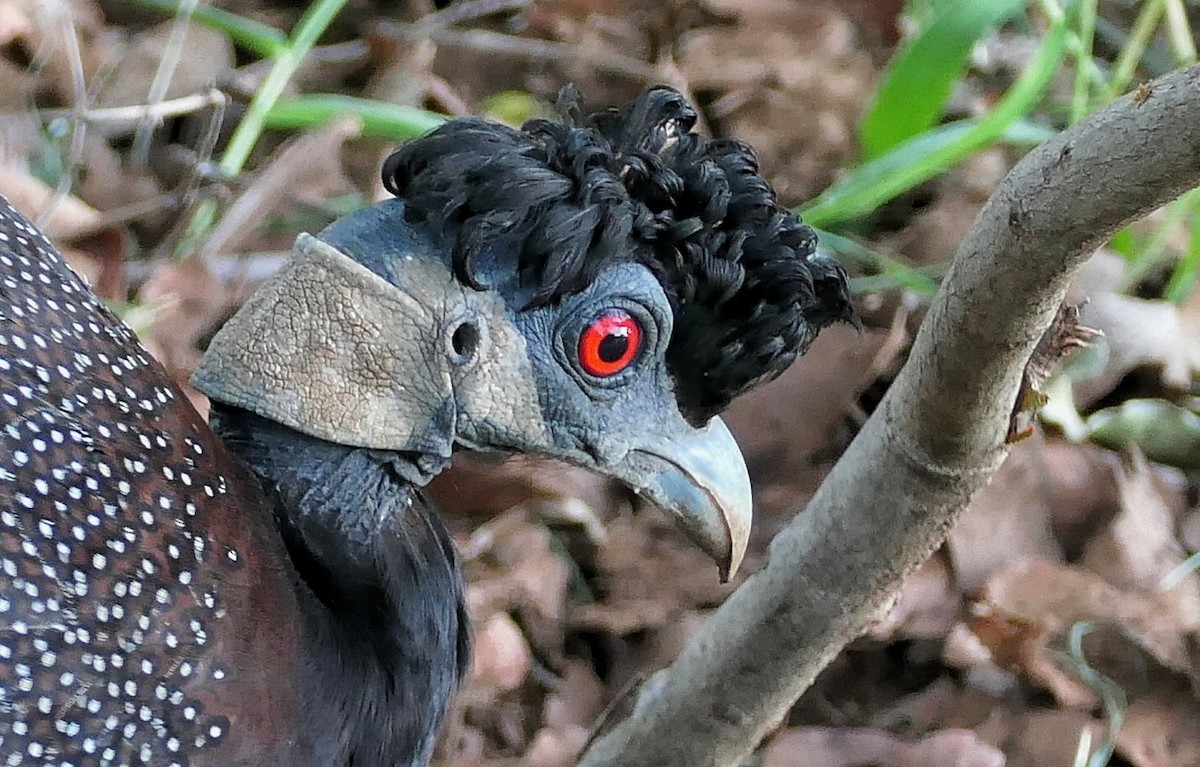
(613, 347)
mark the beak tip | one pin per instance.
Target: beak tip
(739, 537)
(726, 573)
(729, 568)
(704, 483)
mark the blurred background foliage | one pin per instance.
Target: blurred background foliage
(175, 147)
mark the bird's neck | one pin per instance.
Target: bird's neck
(379, 578)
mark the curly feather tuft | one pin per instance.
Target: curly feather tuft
(576, 196)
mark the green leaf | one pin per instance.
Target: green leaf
(511, 107)
(922, 74)
(1165, 432)
(923, 157)
(380, 120)
(1125, 242)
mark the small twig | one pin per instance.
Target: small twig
(163, 75)
(465, 11)
(538, 50)
(199, 169)
(61, 21)
(133, 211)
(273, 183)
(444, 96)
(243, 268)
(136, 113)
(205, 148)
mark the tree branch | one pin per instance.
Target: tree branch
(934, 440)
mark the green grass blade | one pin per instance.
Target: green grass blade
(308, 29)
(920, 77)
(1183, 279)
(923, 157)
(1084, 85)
(379, 120)
(1140, 36)
(891, 273)
(1155, 251)
(1179, 32)
(262, 39)
(1180, 572)
(1111, 694)
(285, 62)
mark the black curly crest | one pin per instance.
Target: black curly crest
(574, 197)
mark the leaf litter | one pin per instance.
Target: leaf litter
(577, 592)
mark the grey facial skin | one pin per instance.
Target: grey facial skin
(364, 311)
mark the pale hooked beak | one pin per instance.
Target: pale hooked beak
(699, 477)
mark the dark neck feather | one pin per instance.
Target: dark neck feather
(381, 581)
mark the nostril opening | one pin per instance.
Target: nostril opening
(465, 342)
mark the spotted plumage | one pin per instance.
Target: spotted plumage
(126, 596)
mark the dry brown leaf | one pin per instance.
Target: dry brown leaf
(661, 646)
(69, 217)
(578, 697)
(993, 717)
(1081, 491)
(480, 486)
(649, 574)
(1137, 332)
(1162, 730)
(187, 303)
(1139, 548)
(1044, 738)
(522, 574)
(206, 57)
(853, 747)
(108, 183)
(792, 429)
(927, 607)
(923, 710)
(16, 33)
(1008, 521)
(501, 659)
(1024, 609)
(16, 22)
(791, 79)
(47, 30)
(555, 747)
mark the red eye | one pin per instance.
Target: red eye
(610, 343)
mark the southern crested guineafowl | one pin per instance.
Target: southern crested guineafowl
(272, 588)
